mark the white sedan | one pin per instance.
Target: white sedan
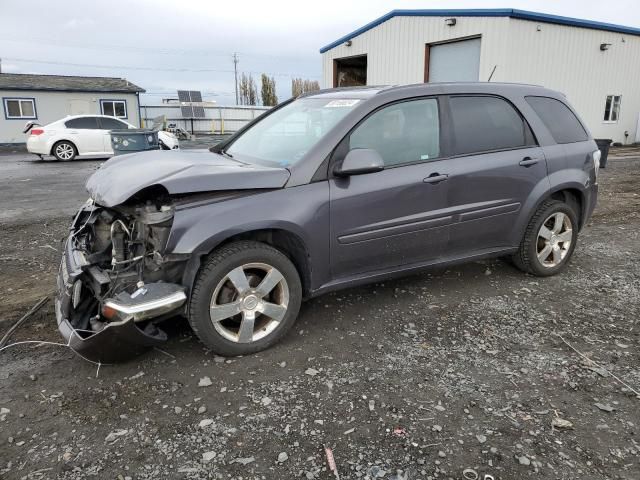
(83, 135)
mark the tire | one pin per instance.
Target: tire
(542, 256)
(220, 312)
(163, 146)
(64, 151)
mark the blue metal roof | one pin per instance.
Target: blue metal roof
(488, 12)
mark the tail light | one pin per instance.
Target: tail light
(596, 162)
(37, 131)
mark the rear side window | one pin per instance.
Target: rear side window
(561, 122)
(83, 123)
(483, 124)
(112, 124)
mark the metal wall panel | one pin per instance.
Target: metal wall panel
(569, 59)
(560, 57)
(396, 49)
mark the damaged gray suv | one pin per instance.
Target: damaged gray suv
(330, 190)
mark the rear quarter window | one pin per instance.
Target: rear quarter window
(559, 119)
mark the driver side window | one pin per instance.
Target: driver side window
(405, 132)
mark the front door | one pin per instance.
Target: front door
(397, 216)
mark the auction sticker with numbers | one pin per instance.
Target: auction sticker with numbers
(341, 103)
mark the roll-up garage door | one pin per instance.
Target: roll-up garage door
(454, 61)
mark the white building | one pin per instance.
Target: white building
(47, 98)
(596, 65)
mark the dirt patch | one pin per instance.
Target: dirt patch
(419, 378)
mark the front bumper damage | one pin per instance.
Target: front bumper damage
(109, 328)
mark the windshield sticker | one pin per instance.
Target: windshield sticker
(341, 103)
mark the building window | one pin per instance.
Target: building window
(114, 108)
(612, 108)
(19, 108)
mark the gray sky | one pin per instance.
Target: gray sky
(163, 45)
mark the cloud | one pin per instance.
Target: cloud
(78, 23)
(280, 38)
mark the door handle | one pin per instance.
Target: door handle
(436, 178)
(528, 161)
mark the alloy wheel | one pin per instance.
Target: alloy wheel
(554, 239)
(249, 302)
(64, 151)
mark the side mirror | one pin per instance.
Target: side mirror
(358, 162)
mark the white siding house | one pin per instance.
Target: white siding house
(47, 98)
(596, 65)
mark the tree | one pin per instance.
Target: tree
(268, 91)
(300, 86)
(247, 90)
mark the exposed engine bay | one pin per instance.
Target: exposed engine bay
(115, 279)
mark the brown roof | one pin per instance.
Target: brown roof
(63, 83)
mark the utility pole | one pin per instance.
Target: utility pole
(235, 73)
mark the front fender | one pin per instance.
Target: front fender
(302, 211)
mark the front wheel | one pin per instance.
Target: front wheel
(64, 151)
(246, 297)
(549, 240)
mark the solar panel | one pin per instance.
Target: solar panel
(187, 100)
(198, 111)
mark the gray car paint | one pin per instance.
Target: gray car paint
(343, 223)
(178, 171)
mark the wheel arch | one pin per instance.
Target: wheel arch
(571, 196)
(58, 140)
(286, 241)
(571, 193)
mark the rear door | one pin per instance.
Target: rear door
(86, 134)
(397, 216)
(495, 166)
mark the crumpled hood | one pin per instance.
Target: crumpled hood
(179, 171)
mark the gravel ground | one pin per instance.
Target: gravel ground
(465, 368)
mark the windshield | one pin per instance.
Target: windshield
(285, 136)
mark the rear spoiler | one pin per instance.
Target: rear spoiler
(29, 125)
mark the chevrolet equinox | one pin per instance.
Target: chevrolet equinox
(329, 190)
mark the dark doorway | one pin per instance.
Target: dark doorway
(350, 71)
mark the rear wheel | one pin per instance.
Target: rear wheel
(246, 298)
(549, 240)
(64, 151)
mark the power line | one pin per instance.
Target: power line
(153, 69)
(145, 50)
